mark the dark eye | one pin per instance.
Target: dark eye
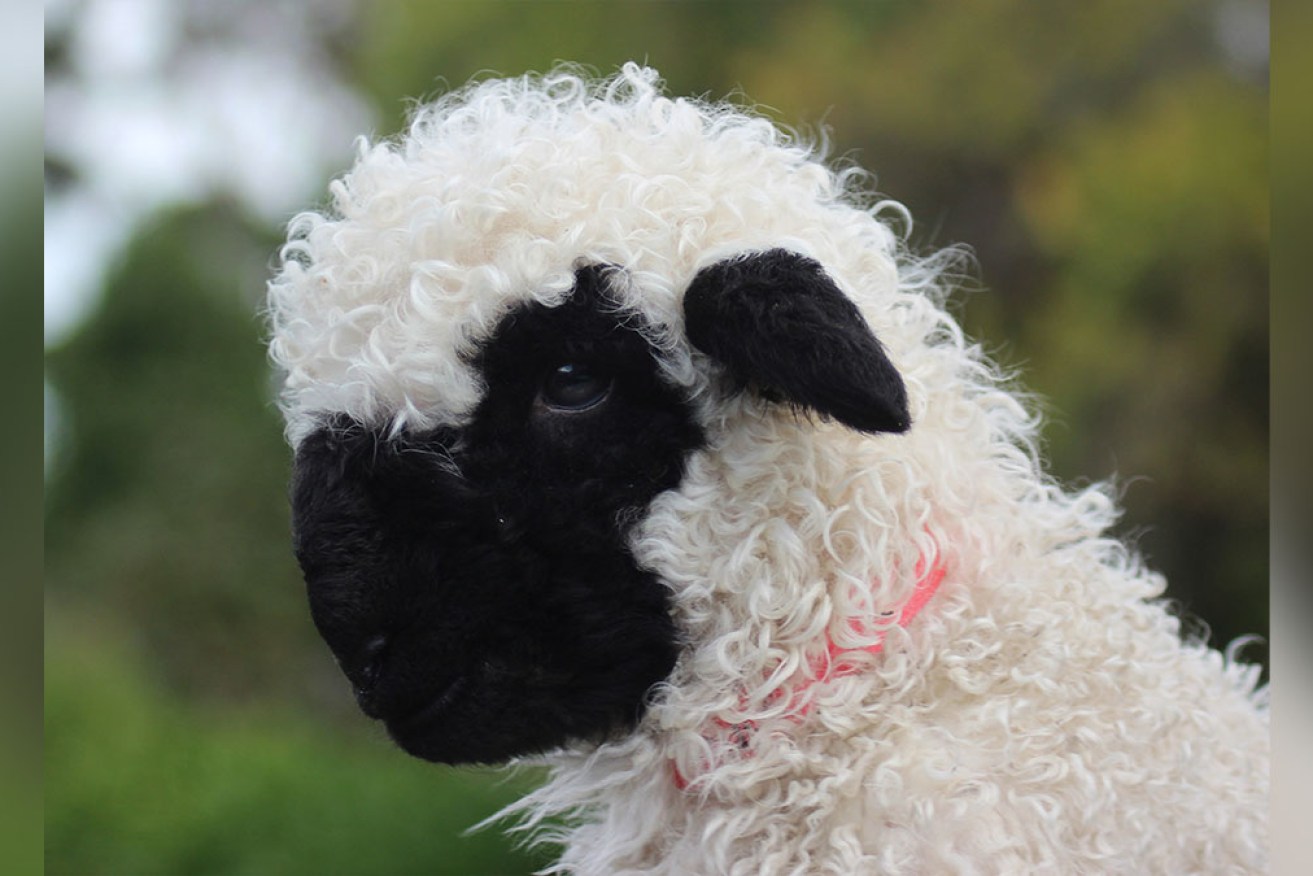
(575, 386)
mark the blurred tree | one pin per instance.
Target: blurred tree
(415, 50)
(1153, 330)
(140, 783)
(165, 508)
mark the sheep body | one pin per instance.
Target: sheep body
(1040, 715)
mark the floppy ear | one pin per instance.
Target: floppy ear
(776, 320)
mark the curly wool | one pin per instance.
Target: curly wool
(1040, 715)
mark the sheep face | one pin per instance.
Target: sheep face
(475, 582)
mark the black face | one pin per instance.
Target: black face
(475, 583)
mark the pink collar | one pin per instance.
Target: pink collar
(835, 663)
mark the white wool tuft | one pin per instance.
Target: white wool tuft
(1040, 715)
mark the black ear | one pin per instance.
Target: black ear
(776, 320)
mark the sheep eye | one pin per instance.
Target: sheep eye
(575, 386)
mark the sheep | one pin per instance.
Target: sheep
(631, 439)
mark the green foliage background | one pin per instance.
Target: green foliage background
(1105, 160)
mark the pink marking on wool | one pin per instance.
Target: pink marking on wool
(927, 583)
(834, 666)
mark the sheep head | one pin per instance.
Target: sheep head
(475, 580)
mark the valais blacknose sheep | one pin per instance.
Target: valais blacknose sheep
(630, 439)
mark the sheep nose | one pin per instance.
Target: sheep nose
(368, 668)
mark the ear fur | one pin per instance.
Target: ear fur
(776, 320)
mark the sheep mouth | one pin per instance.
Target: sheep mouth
(422, 721)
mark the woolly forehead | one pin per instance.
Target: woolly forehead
(496, 198)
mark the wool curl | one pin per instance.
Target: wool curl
(1041, 715)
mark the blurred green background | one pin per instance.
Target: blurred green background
(1107, 161)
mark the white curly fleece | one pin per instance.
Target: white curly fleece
(1040, 715)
